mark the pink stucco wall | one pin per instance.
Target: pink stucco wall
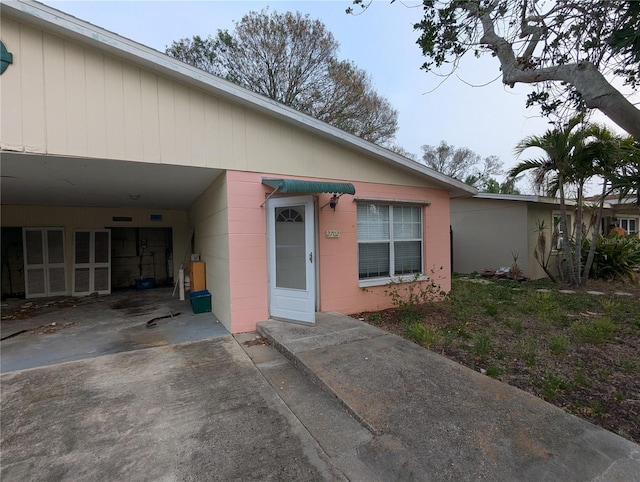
(247, 250)
(338, 268)
(339, 290)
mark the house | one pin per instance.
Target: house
(119, 162)
(490, 231)
(620, 212)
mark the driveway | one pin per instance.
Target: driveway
(190, 411)
(90, 393)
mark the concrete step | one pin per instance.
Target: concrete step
(336, 432)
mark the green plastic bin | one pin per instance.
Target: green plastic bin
(200, 301)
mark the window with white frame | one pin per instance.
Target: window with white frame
(630, 225)
(389, 240)
(557, 225)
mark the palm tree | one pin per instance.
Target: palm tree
(626, 178)
(574, 154)
(563, 147)
(604, 155)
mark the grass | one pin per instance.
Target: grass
(577, 351)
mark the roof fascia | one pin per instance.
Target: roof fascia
(523, 198)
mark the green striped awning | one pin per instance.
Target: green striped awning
(296, 185)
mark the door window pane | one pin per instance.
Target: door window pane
(290, 248)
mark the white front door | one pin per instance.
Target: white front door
(44, 265)
(292, 258)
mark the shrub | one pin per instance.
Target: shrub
(527, 350)
(617, 257)
(410, 296)
(424, 335)
(594, 331)
(551, 384)
(558, 344)
(482, 344)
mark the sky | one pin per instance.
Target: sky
(470, 108)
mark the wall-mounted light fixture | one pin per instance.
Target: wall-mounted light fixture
(134, 197)
(333, 202)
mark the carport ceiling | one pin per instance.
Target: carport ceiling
(46, 180)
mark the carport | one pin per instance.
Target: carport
(93, 225)
(48, 331)
(76, 227)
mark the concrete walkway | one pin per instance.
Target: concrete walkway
(433, 419)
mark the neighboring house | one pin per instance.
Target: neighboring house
(118, 162)
(490, 230)
(623, 213)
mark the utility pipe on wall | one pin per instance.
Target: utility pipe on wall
(181, 283)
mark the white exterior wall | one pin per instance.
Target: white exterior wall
(209, 217)
(63, 98)
(486, 232)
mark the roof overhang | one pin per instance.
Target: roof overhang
(69, 26)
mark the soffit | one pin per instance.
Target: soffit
(33, 179)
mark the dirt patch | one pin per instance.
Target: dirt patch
(23, 310)
(51, 328)
(40, 330)
(576, 350)
(258, 340)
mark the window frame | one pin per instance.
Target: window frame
(396, 278)
(626, 219)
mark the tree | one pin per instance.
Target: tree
(398, 149)
(292, 59)
(608, 154)
(461, 163)
(625, 40)
(625, 178)
(506, 187)
(558, 145)
(561, 47)
(573, 154)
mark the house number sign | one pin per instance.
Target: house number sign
(332, 234)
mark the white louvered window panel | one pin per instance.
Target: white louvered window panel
(102, 280)
(82, 280)
(57, 280)
(92, 256)
(36, 282)
(45, 269)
